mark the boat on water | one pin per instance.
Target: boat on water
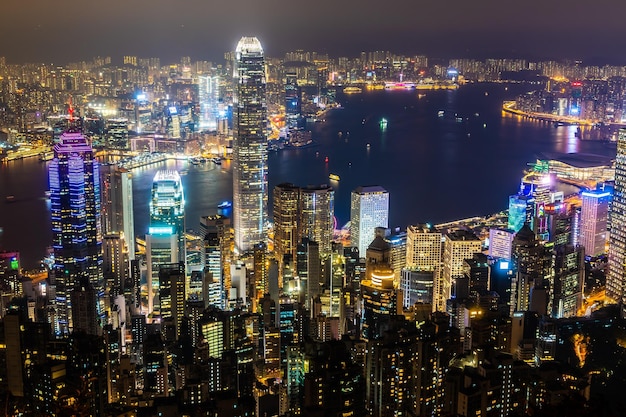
(383, 123)
(216, 161)
(334, 177)
(10, 198)
(441, 113)
(225, 205)
(352, 90)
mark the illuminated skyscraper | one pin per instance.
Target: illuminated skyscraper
(117, 205)
(208, 92)
(76, 226)
(167, 207)
(165, 242)
(617, 241)
(317, 211)
(286, 220)
(457, 247)
(249, 145)
(594, 218)
(369, 209)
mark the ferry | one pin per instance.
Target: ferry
(352, 90)
(225, 205)
(334, 177)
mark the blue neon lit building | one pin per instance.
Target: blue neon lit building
(76, 226)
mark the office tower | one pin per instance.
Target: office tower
(76, 227)
(369, 209)
(532, 267)
(172, 297)
(85, 317)
(116, 266)
(457, 247)
(249, 145)
(381, 301)
(569, 277)
(500, 241)
(161, 249)
(293, 102)
(594, 220)
(417, 286)
(286, 215)
(117, 205)
(10, 276)
(117, 134)
(521, 211)
(218, 241)
(261, 270)
(309, 270)
(208, 95)
(423, 253)
(616, 279)
(478, 274)
(167, 207)
(317, 216)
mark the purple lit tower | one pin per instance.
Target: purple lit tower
(76, 229)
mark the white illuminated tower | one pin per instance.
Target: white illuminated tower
(208, 92)
(617, 238)
(165, 242)
(76, 225)
(249, 145)
(369, 209)
(594, 218)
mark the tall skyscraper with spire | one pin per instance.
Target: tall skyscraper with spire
(617, 239)
(249, 145)
(76, 225)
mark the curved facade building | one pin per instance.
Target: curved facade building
(249, 145)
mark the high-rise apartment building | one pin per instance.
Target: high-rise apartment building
(594, 221)
(249, 145)
(617, 241)
(76, 225)
(369, 209)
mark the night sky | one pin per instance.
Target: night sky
(69, 30)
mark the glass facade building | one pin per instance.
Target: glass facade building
(249, 145)
(76, 225)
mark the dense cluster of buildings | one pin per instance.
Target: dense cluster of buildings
(270, 315)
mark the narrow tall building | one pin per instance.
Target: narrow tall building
(594, 220)
(457, 247)
(286, 215)
(617, 239)
(317, 211)
(249, 145)
(369, 209)
(76, 225)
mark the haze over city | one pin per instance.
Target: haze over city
(75, 30)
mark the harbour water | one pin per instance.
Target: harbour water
(442, 155)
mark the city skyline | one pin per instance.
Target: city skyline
(200, 29)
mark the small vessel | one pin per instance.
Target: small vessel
(326, 159)
(217, 161)
(10, 198)
(225, 204)
(383, 123)
(368, 146)
(334, 177)
(352, 90)
(440, 113)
